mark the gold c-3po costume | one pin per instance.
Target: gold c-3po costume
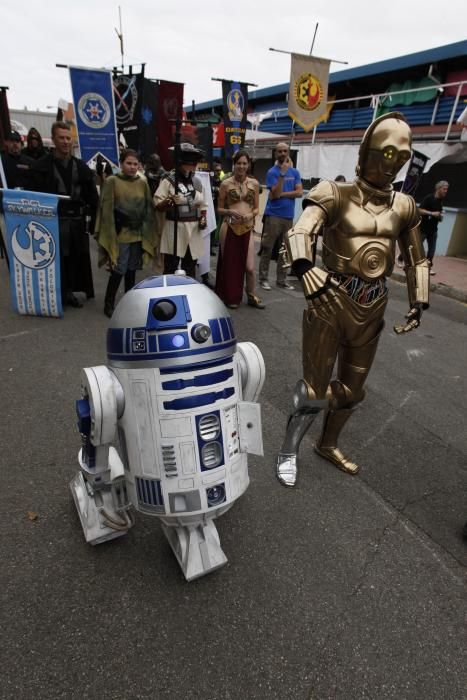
(360, 222)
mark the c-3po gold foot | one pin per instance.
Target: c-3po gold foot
(334, 455)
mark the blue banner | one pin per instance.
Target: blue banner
(93, 100)
(235, 102)
(32, 240)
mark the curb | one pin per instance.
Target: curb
(443, 289)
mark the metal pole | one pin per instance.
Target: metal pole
(331, 60)
(221, 80)
(375, 107)
(178, 136)
(453, 113)
(314, 37)
(120, 36)
(2, 175)
(3, 248)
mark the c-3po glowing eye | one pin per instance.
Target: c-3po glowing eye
(389, 153)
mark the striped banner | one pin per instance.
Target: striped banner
(32, 239)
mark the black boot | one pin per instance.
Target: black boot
(110, 294)
(130, 279)
(205, 280)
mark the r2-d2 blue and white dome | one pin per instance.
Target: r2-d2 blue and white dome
(178, 399)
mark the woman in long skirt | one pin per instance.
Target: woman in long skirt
(238, 203)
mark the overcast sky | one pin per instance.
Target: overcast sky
(191, 41)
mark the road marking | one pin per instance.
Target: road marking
(415, 354)
(389, 420)
(15, 335)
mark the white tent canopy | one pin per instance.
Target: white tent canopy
(255, 135)
(325, 161)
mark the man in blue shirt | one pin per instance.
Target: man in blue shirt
(285, 185)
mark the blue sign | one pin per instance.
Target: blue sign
(95, 113)
(32, 239)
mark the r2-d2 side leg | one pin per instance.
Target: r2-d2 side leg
(304, 412)
(99, 488)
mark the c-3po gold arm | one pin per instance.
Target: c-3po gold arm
(300, 238)
(417, 271)
(299, 251)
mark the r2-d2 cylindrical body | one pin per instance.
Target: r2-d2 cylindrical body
(181, 396)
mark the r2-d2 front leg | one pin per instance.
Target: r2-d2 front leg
(99, 488)
(194, 538)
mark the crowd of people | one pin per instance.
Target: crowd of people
(133, 214)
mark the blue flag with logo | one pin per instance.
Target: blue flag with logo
(96, 124)
(235, 102)
(32, 240)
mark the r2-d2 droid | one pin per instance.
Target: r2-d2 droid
(179, 399)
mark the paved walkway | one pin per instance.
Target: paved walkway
(450, 279)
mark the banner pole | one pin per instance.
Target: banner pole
(3, 248)
(2, 175)
(331, 60)
(221, 80)
(314, 37)
(178, 136)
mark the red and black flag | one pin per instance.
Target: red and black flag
(5, 126)
(169, 108)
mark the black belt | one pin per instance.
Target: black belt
(184, 219)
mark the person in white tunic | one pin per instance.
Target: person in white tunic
(184, 204)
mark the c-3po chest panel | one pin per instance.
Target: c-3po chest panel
(364, 233)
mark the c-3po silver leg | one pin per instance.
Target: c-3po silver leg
(304, 412)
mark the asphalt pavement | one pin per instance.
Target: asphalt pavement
(344, 587)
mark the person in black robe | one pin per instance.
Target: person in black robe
(61, 173)
(16, 165)
(35, 148)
